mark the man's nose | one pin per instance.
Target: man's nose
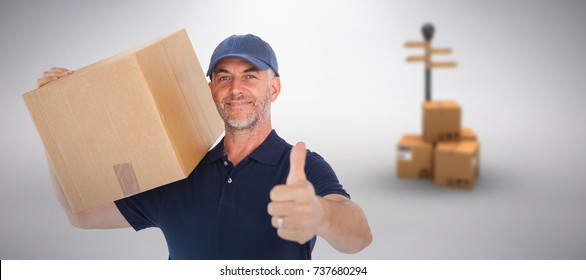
(236, 87)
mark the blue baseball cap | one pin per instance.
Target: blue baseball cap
(248, 47)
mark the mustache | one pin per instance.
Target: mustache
(238, 98)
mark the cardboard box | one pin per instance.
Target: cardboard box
(414, 157)
(127, 124)
(467, 133)
(441, 120)
(456, 164)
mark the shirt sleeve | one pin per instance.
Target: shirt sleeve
(322, 176)
(142, 210)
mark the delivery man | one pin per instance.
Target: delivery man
(253, 196)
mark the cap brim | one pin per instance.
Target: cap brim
(252, 60)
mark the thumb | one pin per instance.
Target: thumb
(297, 161)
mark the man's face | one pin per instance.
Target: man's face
(242, 93)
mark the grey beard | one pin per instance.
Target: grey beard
(248, 123)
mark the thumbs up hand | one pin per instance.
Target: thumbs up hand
(295, 209)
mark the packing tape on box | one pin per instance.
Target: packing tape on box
(127, 179)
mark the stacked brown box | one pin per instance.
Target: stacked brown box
(127, 124)
(445, 152)
(456, 163)
(467, 133)
(414, 157)
(441, 120)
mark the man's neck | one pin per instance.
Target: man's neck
(238, 144)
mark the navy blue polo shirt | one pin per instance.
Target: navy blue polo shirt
(220, 210)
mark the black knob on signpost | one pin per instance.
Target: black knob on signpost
(427, 31)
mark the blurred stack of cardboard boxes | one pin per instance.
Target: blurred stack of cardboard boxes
(444, 152)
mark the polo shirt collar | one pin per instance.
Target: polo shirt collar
(269, 152)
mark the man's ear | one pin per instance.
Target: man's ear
(275, 88)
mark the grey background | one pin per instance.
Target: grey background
(347, 93)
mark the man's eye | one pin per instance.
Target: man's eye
(250, 77)
(224, 78)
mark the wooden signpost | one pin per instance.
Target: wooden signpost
(428, 31)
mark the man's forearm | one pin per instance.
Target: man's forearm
(344, 225)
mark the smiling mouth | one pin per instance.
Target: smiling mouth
(238, 103)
